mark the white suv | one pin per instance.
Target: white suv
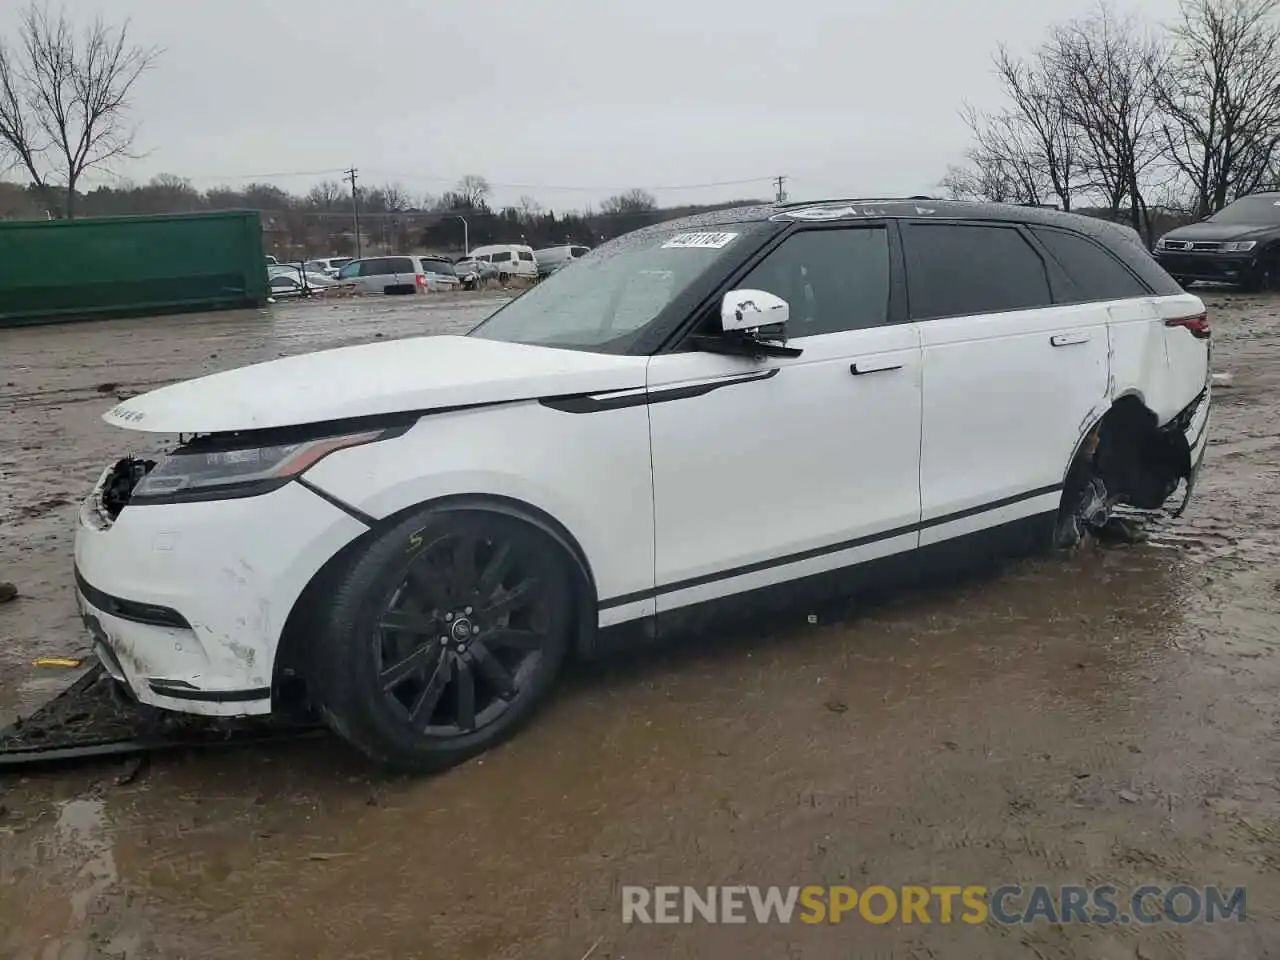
(710, 416)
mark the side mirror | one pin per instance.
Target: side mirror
(750, 309)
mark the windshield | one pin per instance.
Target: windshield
(1250, 210)
(612, 294)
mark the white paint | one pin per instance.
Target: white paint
(700, 241)
(420, 373)
(953, 414)
(809, 457)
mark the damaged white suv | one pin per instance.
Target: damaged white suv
(764, 404)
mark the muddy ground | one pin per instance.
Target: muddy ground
(1111, 718)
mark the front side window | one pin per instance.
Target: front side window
(349, 270)
(606, 302)
(502, 257)
(957, 269)
(833, 280)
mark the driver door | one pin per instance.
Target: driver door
(769, 471)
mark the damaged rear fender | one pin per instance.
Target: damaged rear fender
(1138, 461)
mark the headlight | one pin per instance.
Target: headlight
(1239, 246)
(208, 470)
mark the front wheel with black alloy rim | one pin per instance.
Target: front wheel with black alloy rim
(444, 636)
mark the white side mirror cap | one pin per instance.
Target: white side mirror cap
(748, 309)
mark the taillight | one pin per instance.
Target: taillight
(421, 281)
(1198, 325)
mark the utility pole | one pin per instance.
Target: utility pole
(782, 194)
(355, 204)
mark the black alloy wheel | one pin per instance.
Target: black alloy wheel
(443, 637)
(461, 636)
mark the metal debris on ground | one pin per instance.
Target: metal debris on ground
(91, 719)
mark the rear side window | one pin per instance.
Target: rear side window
(1096, 273)
(526, 255)
(955, 269)
(502, 257)
(833, 280)
(576, 252)
(400, 265)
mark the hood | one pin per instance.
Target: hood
(395, 376)
(1222, 231)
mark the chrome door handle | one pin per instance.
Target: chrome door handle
(1067, 339)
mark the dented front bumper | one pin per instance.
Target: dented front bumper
(186, 601)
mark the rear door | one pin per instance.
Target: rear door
(1011, 379)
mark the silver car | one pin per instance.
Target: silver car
(440, 273)
(399, 274)
(329, 266)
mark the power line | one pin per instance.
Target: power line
(576, 187)
(782, 194)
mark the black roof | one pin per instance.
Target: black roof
(1121, 240)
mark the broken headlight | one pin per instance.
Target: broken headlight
(209, 469)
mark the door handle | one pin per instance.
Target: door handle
(860, 370)
(1067, 339)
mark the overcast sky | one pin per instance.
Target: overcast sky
(571, 100)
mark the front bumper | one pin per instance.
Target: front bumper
(1212, 267)
(186, 602)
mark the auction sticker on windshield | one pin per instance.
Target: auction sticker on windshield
(706, 241)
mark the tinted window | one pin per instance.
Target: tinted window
(350, 270)
(373, 268)
(577, 251)
(958, 269)
(1096, 273)
(526, 255)
(442, 267)
(400, 265)
(1263, 210)
(501, 257)
(833, 279)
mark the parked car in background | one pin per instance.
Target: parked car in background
(440, 273)
(391, 275)
(329, 266)
(473, 271)
(1240, 244)
(760, 406)
(510, 259)
(304, 278)
(270, 259)
(552, 259)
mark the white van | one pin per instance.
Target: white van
(511, 259)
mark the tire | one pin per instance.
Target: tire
(494, 618)
(1264, 276)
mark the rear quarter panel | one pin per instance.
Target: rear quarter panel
(1165, 367)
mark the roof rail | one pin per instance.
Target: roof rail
(828, 200)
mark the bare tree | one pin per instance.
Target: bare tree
(528, 207)
(326, 196)
(1038, 122)
(1221, 97)
(633, 201)
(473, 191)
(1106, 69)
(395, 197)
(64, 98)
